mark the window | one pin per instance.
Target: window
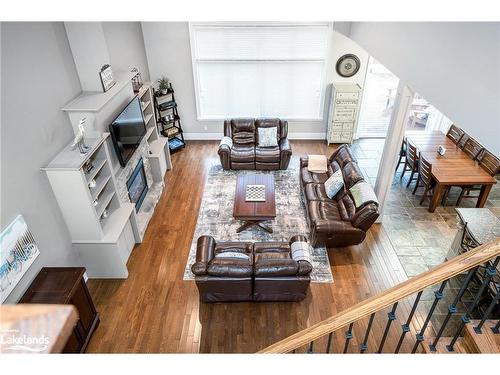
(259, 71)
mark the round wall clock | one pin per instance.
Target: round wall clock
(347, 65)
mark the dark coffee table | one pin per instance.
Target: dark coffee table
(254, 213)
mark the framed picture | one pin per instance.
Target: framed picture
(18, 250)
(106, 77)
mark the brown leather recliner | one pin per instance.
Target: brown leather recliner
(336, 222)
(265, 271)
(243, 150)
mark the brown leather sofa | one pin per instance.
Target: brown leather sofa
(336, 222)
(268, 272)
(245, 153)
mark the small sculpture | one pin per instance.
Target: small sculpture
(441, 150)
(79, 139)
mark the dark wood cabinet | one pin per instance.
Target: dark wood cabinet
(65, 285)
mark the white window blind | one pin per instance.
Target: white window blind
(259, 71)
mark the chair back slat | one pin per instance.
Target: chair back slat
(425, 169)
(455, 133)
(489, 163)
(411, 154)
(472, 148)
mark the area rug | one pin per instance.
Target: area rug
(216, 216)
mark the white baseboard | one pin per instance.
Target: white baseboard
(218, 136)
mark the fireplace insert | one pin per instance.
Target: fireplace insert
(137, 185)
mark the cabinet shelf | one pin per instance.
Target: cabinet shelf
(100, 185)
(97, 168)
(146, 105)
(148, 118)
(104, 202)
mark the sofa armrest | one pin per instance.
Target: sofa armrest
(225, 152)
(204, 253)
(304, 266)
(285, 153)
(365, 217)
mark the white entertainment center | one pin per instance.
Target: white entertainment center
(91, 189)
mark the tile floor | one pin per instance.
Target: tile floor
(421, 238)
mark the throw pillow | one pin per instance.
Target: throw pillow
(301, 251)
(363, 193)
(334, 184)
(268, 137)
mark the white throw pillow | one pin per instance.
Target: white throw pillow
(268, 137)
(232, 255)
(363, 193)
(334, 184)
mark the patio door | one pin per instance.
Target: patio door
(379, 93)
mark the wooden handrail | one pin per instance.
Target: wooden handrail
(438, 274)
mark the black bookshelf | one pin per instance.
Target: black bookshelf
(168, 119)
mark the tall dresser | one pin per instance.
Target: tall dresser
(343, 114)
(66, 286)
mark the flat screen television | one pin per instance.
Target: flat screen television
(127, 130)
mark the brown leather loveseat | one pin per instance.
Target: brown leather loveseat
(246, 271)
(336, 222)
(240, 148)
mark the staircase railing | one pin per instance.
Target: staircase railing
(479, 264)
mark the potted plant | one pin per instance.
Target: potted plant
(163, 85)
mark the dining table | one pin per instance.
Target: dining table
(454, 168)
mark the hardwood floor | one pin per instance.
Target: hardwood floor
(154, 310)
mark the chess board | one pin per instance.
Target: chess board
(255, 193)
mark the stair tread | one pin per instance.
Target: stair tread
(485, 342)
(458, 348)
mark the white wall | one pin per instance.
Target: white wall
(455, 66)
(38, 77)
(168, 53)
(126, 47)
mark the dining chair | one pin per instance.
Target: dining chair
(472, 148)
(411, 161)
(455, 133)
(402, 154)
(424, 175)
(491, 164)
(462, 141)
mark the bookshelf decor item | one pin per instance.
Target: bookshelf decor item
(106, 75)
(136, 80)
(168, 119)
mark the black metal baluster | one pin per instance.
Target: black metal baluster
(490, 308)
(391, 316)
(329, 342)
(406, 326)
(364, 346)
(452, 309)
(490, 272)
(496, 329)
(311, 348)
(293, 351)
(348, 337)
(438, 296)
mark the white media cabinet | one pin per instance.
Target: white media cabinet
(104, 242)
(343, 113)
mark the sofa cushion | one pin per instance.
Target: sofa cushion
(315, 192)
(352, 174)
(267, 154)
(224, 267)
(243, 153)
(308, 177)
(343, 156)
(267, 137)
(321, 210)
(334, 184)
(274, 259)
(346, 207)
(243, 131)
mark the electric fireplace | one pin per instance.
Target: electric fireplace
(137, 185)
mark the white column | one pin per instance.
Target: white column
(395, 134)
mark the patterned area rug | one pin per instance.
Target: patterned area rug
(216, 216)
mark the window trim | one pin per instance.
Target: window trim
(196, 76)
